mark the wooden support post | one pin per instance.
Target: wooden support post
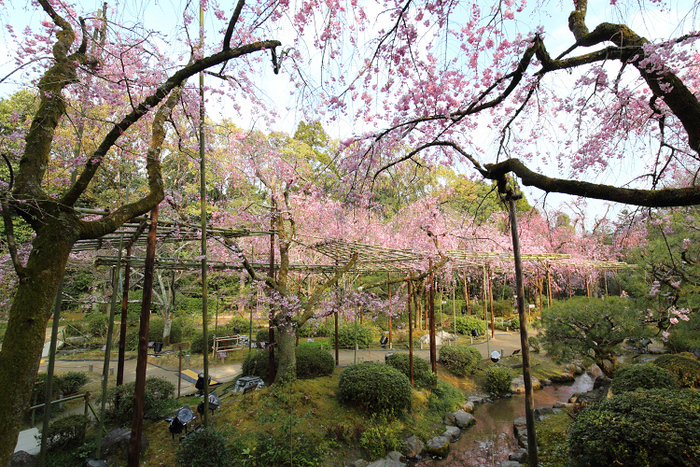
(549, 286)
(388, 285)
(410, 333)
(431, 305)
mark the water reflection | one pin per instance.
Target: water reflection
(491, 440)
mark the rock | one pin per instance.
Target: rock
(115, 446)
(601, 381)
(518, 384)
(438, 446)
(601, 391)
(413, 446)
(519, 426)
(94, 463)
(561, 405)
(522, 441)
(23, 459)
(452, 433)
(449, 419)
(519, 456)
(561, 379)
(468, 406)
(463, 419)
(360, 463)
(396, 456)
(546, 383)
(543, 412)
(391, 460)
(509, 464)
(479, 399)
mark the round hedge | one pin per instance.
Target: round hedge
(685, 369)
(498, 380)
(257, 363)
(466, 324)
(653, 428)
(313, 362)
(645, 376)
(375, 387)
(348, 332)
(423, 377)
(461, 360)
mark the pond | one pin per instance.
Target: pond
(491, 440)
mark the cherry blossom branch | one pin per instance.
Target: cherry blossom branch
(232, 24)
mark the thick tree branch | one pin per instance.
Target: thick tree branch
(308, 311)
(651, 198)
(232, 24)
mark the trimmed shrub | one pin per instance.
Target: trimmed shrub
(73, 381)
(313, 362)
(96, 324)
(347, 333)
(158, 395)
(652, 428)
(197, 343)
(381, 436)
(685, 369)
(67, 432)
(445, 398)
(375, 387)
(461, 360)
(156, 325)
(645, 376)
(502, 308)
(423, 377)
(514, 324)
(465, 325)
(206, 447)
(498, 380)
(257, 364)
(237, 325)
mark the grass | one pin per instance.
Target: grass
(552, 450)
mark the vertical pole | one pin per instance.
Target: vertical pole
(49, 373)
(568, 274)
(525, 346)
(388, 285)
(108, 345)
(493, 323)
(335, 316)
(431, 319)
(203, 215)
(466, 295)
(484, 289)
(549, 286)
(271, 272)
(142, 357)
(410, 332)
(122, 323)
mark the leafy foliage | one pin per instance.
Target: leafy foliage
(461, 360)
(685, 369)
(647, 428)
(381, 436)
(590, 329)
(205, 447)
(349, 333)
(67, 432)
(423, 376)
(313, 362)
(375, 387)
(466, 324)
(158, 395)
(498, 380)
(644, 376)
(257, 364)
(72, 381)
(445, 398)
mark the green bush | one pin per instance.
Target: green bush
(257, 364)
(465, 325)
(263, 335)
(237, 325)
(316, 329)
(534, 343)
(423, 376)
(206, 447)
(685, 369)
(502, 308)
(96, 324)
(645, 376)
(445, 398)
(313, 362)
(381, 436)
(498, 380)
(158, 399)
(67, 432)
(461, 360)
(197, 343)
(685, 336)
(514, 324)
(156, 325)
(281, 450)
(645, 428)
(375, 387)
(73, 381)
(347, 333)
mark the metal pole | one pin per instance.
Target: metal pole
(108, 345)
(203, 215)
(49, 373)
(525, 346)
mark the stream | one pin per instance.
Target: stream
(491, 440)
